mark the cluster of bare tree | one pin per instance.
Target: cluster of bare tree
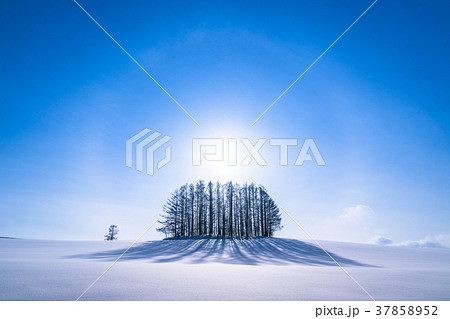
(228, 210)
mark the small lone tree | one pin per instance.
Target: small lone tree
(112, 233)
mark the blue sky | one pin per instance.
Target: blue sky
(376, 105)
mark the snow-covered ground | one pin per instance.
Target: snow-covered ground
(208, 269)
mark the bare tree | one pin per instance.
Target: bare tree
(112, 233)
(220, 210)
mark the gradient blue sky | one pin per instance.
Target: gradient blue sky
(376, 104)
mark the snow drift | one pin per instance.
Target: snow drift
(220, 269)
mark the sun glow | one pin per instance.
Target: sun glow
(221, 155)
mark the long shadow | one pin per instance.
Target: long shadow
(255, 251)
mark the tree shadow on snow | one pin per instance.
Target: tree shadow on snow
(254, 251)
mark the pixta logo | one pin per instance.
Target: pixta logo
(226, 150)
(141, 149)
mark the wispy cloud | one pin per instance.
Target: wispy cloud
(439, 241)
(380, 240)
(355, 213)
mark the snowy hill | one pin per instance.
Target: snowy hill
(220, 269)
